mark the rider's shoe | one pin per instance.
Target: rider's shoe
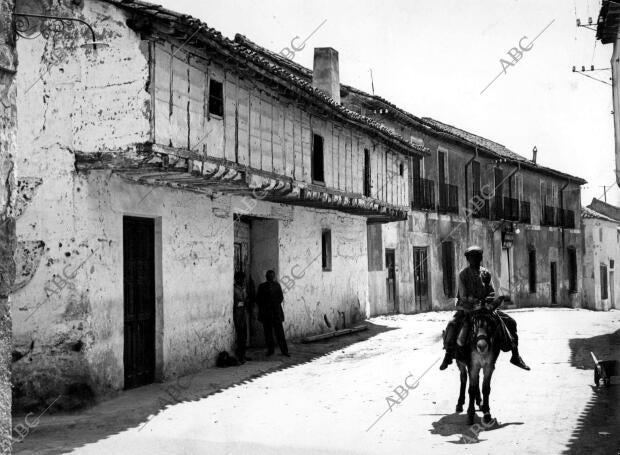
(518, 361)
(447, 360)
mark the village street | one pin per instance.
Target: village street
(327, 404)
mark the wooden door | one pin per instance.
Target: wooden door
(139, 300)
(420, 270)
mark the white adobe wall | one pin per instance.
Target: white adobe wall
(595, 253)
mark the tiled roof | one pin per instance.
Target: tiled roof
(498, 149)
(589, 213)
(276, 69)
(610, 211)
(427, 123)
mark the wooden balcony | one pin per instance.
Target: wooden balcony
(423, 194)
(511, 209)
(448, 198)
(548, 216)
(478, 210)
(525, 215)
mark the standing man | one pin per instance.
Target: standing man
(239, 316)
(269, 299)
(475, 288)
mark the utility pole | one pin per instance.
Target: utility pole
(605, 190)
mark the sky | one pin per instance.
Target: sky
(434, 58)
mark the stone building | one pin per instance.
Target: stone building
(8, 151)
(469, 190)
(157, 163)
(600, 223)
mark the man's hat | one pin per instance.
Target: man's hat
(473, 249)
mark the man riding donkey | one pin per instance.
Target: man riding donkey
(475, 288)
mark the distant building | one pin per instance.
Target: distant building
(601, 251)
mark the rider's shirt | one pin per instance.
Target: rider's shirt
(474, 285)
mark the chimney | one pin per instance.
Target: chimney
(534, 153)
(325, 74)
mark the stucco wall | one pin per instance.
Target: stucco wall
(8, 150)
(601, 244)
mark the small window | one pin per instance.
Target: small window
(326, 250)
(447, 263)
(317, 159)
(216, 98)
(600, 234)
(572, 270)
(611, 263)
(401, 169)
(367, 173)
(604, 294)
(532, 271)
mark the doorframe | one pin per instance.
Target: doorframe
(158, 374)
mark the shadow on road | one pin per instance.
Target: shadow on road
(61, 433)
(597, 428)
(456, 424)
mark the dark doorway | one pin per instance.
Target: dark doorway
(420, 270)
(391, 280)
(139, 300)
(554, 282)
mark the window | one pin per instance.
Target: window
(604, 294)
(447, 263)
(317, 159)
(600, 234)
(216, 98)
(499, 193)
(367, 173)
(326, 250)
(532, 271)
(441, 166)
(475, 183)
(401, 169)
(572, 270)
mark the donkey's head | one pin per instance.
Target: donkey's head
(482, 330)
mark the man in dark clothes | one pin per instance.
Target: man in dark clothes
(475, 288)
(239, 316)
(269, 299)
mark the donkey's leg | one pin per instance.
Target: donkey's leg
(478, 397)
(463, 374)
(486, 390)
(474, 374)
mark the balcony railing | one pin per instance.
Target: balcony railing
(479, 207)
(567, 218)
(448, 198)
(548, 216)
(511, 209)
(525, 214)
(423, 194)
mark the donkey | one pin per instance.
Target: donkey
(479, 353)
